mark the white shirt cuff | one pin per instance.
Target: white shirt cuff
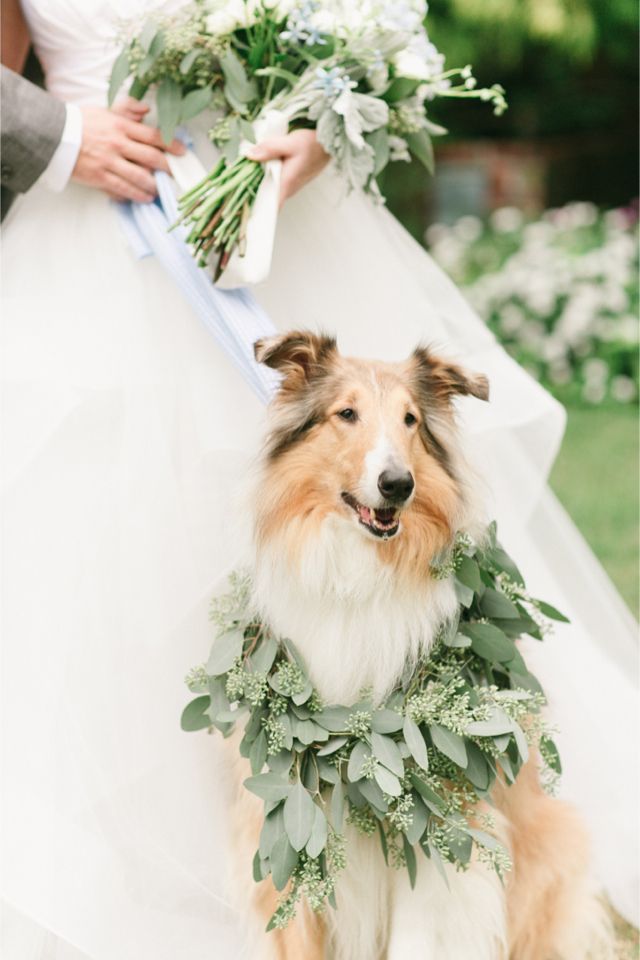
(57, 174)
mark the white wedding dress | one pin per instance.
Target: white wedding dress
(127, 434)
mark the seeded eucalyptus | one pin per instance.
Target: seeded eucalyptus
(407, 771)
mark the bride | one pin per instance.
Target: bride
(127, 433)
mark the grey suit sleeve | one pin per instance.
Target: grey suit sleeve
(31, 129)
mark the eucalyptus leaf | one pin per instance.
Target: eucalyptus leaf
(548, 611)
(262, 658)
(496, 604)
(119, 74)
(449, 743)
(281, 762)
(327, 771)
(332, 745)
(299, 812)
(189, 60)
(468, 573)
(258, 754)
(464, 594)
(260, 867)
(415, 742)
(337, 806)
(477, 769)
(521, 742)
(268, 786)
(318, 839)
(488, 642)
(333, 719)
(168, 100)
(419, 820)
(373, 794)
(387, 781)
(225, 652)
(386, 751)
(410, 860)
(272, 830)
(283, 861)
(359, 755)
(493, 726)
(194, 103)
(195, 715)
(420, 145)
(386, 721)
(430, 797)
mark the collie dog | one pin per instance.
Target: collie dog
(362, 484)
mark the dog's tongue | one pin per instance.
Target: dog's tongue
(365, 513)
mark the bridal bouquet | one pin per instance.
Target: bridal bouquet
(363, 75)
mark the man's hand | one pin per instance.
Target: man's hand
(302, 159)
(118, 152)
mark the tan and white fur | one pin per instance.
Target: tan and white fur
(362, 484)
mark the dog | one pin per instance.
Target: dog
(362, 484)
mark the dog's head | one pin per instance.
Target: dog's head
(370, 444)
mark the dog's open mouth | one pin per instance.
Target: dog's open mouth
(382, 522)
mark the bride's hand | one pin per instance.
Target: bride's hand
(119, 153)
(302, 159)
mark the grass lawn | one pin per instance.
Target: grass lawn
(596, 477)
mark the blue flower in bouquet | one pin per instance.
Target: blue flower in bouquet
(301, 28)
(333, 82)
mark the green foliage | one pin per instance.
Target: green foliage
(407, 771)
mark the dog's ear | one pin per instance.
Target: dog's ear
(299, 355)
(438, 380)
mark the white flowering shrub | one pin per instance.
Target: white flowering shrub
(561, 293)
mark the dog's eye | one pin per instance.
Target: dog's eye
(409, 419)
(348, 414)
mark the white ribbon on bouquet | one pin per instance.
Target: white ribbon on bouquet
(228, 309)
(254, 265)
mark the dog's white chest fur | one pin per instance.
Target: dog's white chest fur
(356, 626)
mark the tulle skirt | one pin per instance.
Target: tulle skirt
(127, 439)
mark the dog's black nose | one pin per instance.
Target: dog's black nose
(395, 486)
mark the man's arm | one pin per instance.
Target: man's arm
(32, 125)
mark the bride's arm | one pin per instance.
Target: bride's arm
(302, 159)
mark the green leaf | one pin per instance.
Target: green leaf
(318, 839)
(272, 830)
(332, 746)
(415, 742)
(386, 721)
(283, 862)
(449, 743)
(262, 658)
(268, 786)
(195, 716)
(477, 769)
(485, 839)
(420, 818)
(464, 594)
(551, 754)
(155, 49)
(373, 795)
(387, 781)
(281, 762)
(333, 719)
(299, 814)
(459, 641)
(460, 845)
(383, 843)
(410, 859)
(430, 797)
(119, 74)
(493, 726)
(360, 753)
(194, 103)
(189, 59)
(168, 100)
(220, 709)
(239, 90)
(521, 741)
(311, 776)
(327, 771)
(420, 145)
(308, 732)
(258, 754)
(400, 89)
(303, 695)
(386, 751)
(337, 806)
(488, 642)
(495, 604)
(260, 867)
(379, 141)
(501, 560)
(225, 652)
(468, 573)
(551, 612)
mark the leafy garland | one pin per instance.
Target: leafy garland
(410, 770)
